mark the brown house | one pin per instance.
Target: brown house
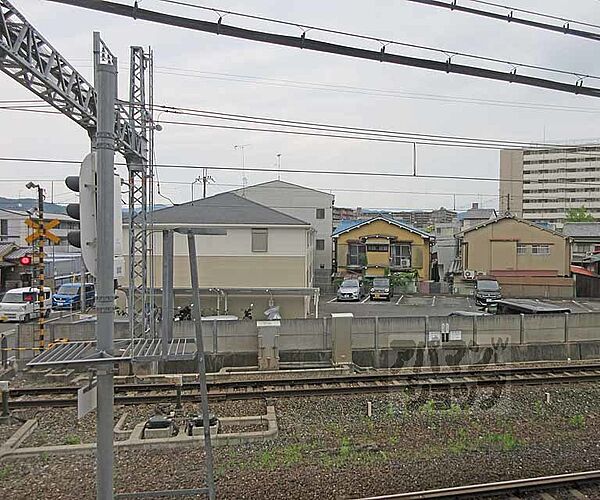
(528, 260)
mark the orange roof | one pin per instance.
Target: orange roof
(583, 271)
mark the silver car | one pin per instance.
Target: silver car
(350, 289)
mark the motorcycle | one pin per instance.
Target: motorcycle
(248, 312)
(183, 313)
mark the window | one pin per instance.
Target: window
(400, 255)
(3, 227)
(320, 244)
(582, 247)
(357, 254)
(260, 240)
(377, 248)
(320, 213)
(522, 249)
(540, 249)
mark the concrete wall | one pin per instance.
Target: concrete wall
(373, 334)
(491, 329)
(394, 333)
(363, 333)
(302, 334)
(583, 326)
(544, 328)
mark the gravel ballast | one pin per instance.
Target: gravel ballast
(329, 448)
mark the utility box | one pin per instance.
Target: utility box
(159, 426)
(268, 344)
(341, 338)
(195, 425)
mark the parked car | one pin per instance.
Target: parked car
(350, 289)
(381, 289)
(68, 296)
(487, 290)
(22, 304)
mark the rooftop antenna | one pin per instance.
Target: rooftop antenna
(278, 166)
(241, 147)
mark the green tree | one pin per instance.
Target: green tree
(579, 215)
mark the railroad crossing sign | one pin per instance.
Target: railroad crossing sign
(46, 234)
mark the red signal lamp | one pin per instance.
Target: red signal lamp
(25, 260)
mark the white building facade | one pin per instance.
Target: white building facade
(543, 185)
(309, 205)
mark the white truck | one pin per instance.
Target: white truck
(23, 304)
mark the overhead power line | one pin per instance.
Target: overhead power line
(303, 42)
(274, 171)
(411, 136)
(314, 129)
(564, 28)
(351, 89)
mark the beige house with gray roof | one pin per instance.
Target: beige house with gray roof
(266, 255)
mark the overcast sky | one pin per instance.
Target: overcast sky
(216, 73)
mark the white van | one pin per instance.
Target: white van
(22, 304)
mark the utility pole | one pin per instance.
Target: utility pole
(197, 179)
(39, 252)
(205, 180)
(105, 151)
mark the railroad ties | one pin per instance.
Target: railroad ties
(331, 385)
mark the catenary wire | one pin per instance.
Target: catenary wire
(344, 134)
(565, 28)
(310, 44)
(307, 27)
(372, 92)
(296, 171)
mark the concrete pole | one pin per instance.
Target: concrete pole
(82, 294)
(167, 289)
(210, 481)
(105, 147)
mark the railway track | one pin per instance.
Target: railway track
(549, 488)
(126, 394)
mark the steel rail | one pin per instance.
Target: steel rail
(327, 386)
(351, 378)
(499, 488)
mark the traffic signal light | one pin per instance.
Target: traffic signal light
(25, 260)
(85, 213)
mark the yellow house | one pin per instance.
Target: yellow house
(380, 245)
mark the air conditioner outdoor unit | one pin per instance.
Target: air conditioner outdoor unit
(405, 262)
(469, 275)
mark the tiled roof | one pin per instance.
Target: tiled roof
(223, 209)
(18, 253)
(582, 229)
(346, 225)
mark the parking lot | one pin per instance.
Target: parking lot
(442, 305)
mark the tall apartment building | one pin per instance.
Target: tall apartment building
(542, 185)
